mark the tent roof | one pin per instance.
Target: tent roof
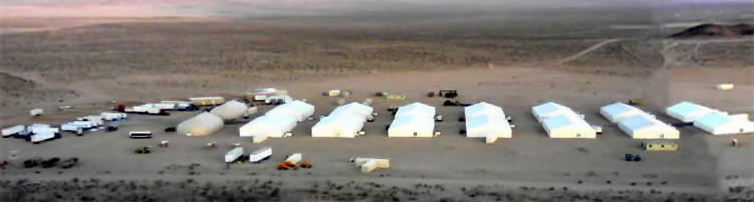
(486, 121)
(416, 108)
(713, 120)
(549, 107)
(201, 124)
(687, 108)
(354, 108)
(412, 121)
(641, 121)
(230, 110)
(565, 121)
(619, 108)
(483, 108)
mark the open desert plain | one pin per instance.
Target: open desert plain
(126, 52)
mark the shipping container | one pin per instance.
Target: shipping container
(233, 154)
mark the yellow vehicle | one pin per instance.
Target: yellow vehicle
(396, 97)
(659, 146)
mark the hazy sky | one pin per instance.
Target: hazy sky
(316, 7)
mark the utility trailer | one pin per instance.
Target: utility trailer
(36, 112)
(233, 155)
(260, 155)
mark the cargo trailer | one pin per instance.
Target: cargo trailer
(140, 134)
(233, 155)
(260, 155)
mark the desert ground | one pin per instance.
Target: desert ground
(584, 65)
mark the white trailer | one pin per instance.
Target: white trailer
(165, 106)
(11, 131)
(40, 128)
(97, 119)
(233, 154)
(179, 105)
(36, 112)
(261, 154)
(112, 116)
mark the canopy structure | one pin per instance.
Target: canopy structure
(617, 111)
(297, 109)
(717, 123)
(568, 126)
(412, 126)
(484, 120)
(230, 110)
(200, 125)
(482, 109)
(550, 109)
(270, 125)
(643, 126)
(355, 108)
(416, 109)
(687, 111)
(345, 121)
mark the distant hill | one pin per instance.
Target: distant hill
(715, 30)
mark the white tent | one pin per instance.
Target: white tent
(722, 124)
(617, 111)
(486, 125)
(482, 109)
(416, 109)
(344, 121)
(341, 125)
(687, 111)
(568, 126)
(411, 126)
(484, 119)
(354, 108)
(230, 110)
(549, 109)
(270, 125)
(642, 126)
(200, 125)
(297, 109)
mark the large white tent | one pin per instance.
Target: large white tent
(411, 126)
(413, 120)
(298, 109)
(687, 111)
(643, 126)
(341, 125)
(230, 110)
(484, 120)
(345, 121)
(200, 125)
(549, 109)
(568, 126)
(717, 123)
(270, 125)
(488, 125)
(617, 111)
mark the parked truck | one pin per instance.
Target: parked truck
(260, 155)
(36, 112)
(44, 136)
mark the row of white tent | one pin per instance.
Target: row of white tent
(713, 121)
(344, 121)
(484, 120)
(278, 121)
(562, 122)
(637, 123)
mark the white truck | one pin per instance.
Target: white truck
(11, 131)
(179, 105)
(233, 154)
(99, 120)
(78, 127)
(260, 155)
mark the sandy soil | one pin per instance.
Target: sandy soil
(704, 165)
